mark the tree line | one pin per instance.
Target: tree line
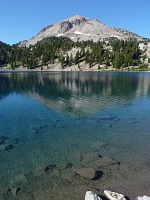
(116, 53)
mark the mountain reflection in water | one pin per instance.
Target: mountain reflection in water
(76, 92)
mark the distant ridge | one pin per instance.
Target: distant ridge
(81, 28)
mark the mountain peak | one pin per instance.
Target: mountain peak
(81, 28)
(76, 17)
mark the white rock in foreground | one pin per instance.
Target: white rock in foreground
(143, 198)
(91, 196)
(113, 195)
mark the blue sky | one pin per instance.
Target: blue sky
(22, 19)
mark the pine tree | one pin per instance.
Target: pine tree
(76, 59)
(107, 63)
(87, 55)
(70, 60)
(62, 59)
(119, 60)
(67, 60)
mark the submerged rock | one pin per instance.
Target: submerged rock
(143, 198)
(41, 171)
(16, 141)
(3, 139)
(5, 147)
(105, 161)
(107, 118)
(65, 166)
(98, 145)
(113, 195)
(89, 173)
(90, 157)
(14, 190)
(19, 178)
(56, 173)
(91, 196)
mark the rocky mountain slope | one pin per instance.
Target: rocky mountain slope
(81, 28)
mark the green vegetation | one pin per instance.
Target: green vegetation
(118, 53)
(4, 53)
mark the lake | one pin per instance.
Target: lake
(52, 123)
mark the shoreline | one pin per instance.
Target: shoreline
(75, 68)
(70, 70)
(59, 71)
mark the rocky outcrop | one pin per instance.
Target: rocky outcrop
(80, 21)
(65, 26)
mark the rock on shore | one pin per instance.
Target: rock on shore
(91, 196)
(143, 198)
(113, 195)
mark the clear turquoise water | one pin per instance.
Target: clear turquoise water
(56, 116)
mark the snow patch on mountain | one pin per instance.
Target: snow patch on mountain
(59, 35)
(80, 33)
